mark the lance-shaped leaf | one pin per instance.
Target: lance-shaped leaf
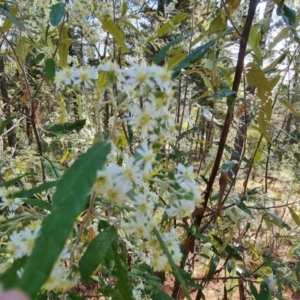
(96, 251)
(9, 16)
(195, 56)
(69, 201)
(163, 52)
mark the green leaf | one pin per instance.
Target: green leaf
(165, 28)
(36, 190)
(294, 216)
(163, 52)
(53, 169)
(229, 165)
(254, 291)
(69, 201)
(38, 203)
(8, 23)
(117, 33)
(264, 293)
(9, 16)
(57, 12)
(121, 272)
(223, 93)
(96, 251)
(65, 128)
(38, 58)
(4, 123)
(292, 281)
(279, 222)
(160, 295)
(242, 206)
(297, 271)
(15, 180)
(193, 57)
(230, 265)
(290, 107)
(231, 251)
(50, 68)
(8, 279)
(213, 264)
(124, 8)
(288, 14)
(74, 296)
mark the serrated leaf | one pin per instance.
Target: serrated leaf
(9, 15)
(96, 251)
(50, 68)
(110, 26)
(193, 57)
(57, 12)
(68, 202)
(242, 206)
(277, 220)
(228, 165)
(294, 216)
(163, 52)
(4, 123)
(223, 93)
(36, 190)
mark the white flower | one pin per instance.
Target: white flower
(143, 117)
(85, 76)
(147, 156)
(64, 77)
(140, 76)
(180, 208)
(11, 203)
(142, 204)
(186, 177)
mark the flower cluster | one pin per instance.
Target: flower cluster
(21, 243)
(9, 202)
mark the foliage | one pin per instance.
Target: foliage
(149, 150)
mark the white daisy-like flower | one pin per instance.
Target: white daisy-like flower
(186, 177)
(147, 157)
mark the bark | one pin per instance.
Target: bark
(198, 214)
(239, 140)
